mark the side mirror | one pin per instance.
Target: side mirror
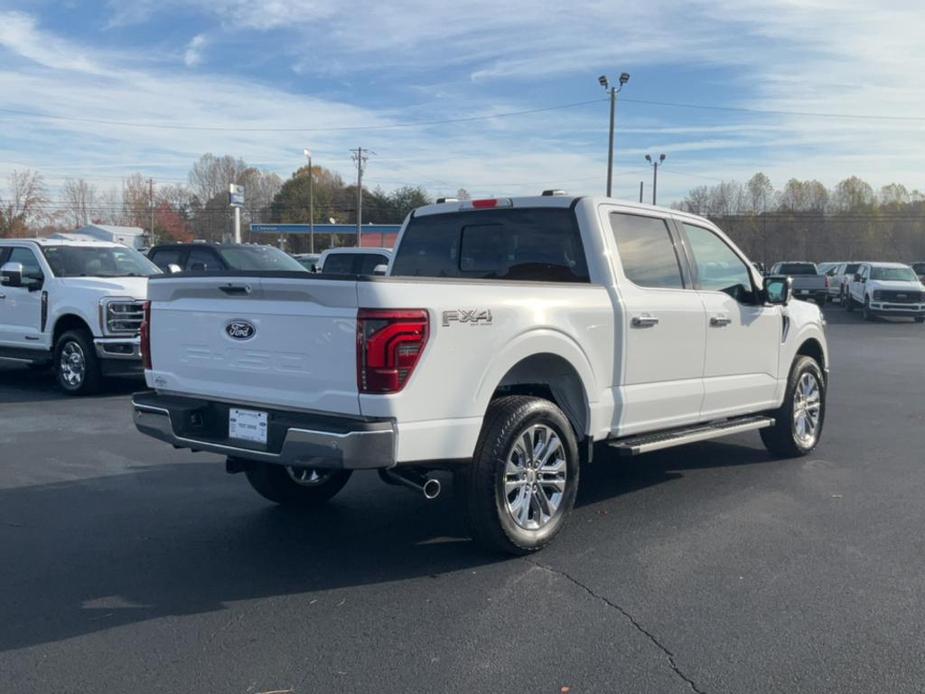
(777, 290)
(11, 275)
(380, 269)
(857, 277)
(173, 269)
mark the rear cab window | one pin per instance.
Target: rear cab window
(527, 244)
(339, 264)
(647, 251)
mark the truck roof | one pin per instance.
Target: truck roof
(45, 243)
(547, 201)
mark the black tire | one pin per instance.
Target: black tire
(849, 302)
(79, 344)
(275, 483)
(920, 319)
(868, 316)
(488, 505)
(782, 439)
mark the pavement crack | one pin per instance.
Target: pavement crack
(630, 618)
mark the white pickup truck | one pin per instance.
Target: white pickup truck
(73, 305)
(886, 289)
(509, 336)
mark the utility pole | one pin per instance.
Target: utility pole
(151, 201)
(640, 190)
(360, 156)
(655, 164)
(311, 204)
(613, 91)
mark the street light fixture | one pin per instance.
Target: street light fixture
(655, 164)
(613, 90)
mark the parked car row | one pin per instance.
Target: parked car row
(877, 288)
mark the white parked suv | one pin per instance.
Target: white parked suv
(509, 337)
(887, 289)
(74, 305)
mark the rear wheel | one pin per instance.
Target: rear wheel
(296, 486)
(799, 420)
(521, 485)
(919, 319)
(849, 302)
(77, 367)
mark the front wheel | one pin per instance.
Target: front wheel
(522, 482)
(77, 367)
(920, 319)
(799, 420)
(868, 315)
(296, 486)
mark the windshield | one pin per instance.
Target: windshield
(104, 261)
(798, 269)
(896, 274)
(260, 258)
(919, 268)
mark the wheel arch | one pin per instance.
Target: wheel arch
(547, 366)
(68, 321)
(811, 347)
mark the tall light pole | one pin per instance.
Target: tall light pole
(605, 83)
(655, 165)
(311, 204)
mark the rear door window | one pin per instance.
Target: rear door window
(203, 260)
(165, 257)
(369, 262)
(339, 263)
(534, 244)
(646, 250)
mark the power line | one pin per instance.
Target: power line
(388, 126)
(776, 112)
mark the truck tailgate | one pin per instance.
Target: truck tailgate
(279, 341)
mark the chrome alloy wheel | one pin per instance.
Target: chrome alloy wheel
(72, 364)
(807, 410)
(535, 475)
(307, 476)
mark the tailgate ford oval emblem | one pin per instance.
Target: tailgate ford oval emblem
(240, 329)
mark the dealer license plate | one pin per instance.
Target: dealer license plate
(247, 425)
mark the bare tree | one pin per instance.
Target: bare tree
(760, 193)
(211, 175)
(109, 207)
(80, 198)
(136, 201)
(24, 204)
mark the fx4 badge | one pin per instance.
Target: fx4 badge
(477, 316)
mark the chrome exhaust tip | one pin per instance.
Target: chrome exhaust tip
(431, 489)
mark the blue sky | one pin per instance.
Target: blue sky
(263, 80)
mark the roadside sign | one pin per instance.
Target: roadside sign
(235, 195)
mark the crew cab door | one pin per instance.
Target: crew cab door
(659, 366)
(21, 307)
(743, 336)
(856, 288)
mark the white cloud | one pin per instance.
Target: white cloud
(193, 54)
(837, 56)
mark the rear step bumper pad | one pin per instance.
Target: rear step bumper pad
(645, 443)
(294, 438)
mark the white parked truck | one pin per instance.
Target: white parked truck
(73, 305)
(886, 289)
(509, 336)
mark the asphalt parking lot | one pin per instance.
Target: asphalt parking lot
(130, 567)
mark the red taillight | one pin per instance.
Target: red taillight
(146, 336)
(389, 344)
(826, 281)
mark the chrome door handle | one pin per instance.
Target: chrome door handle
(644, 321)
(720, 321)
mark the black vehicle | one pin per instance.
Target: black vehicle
(214, 257)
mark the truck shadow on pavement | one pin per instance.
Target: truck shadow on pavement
(89, 555)
(21, 385)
